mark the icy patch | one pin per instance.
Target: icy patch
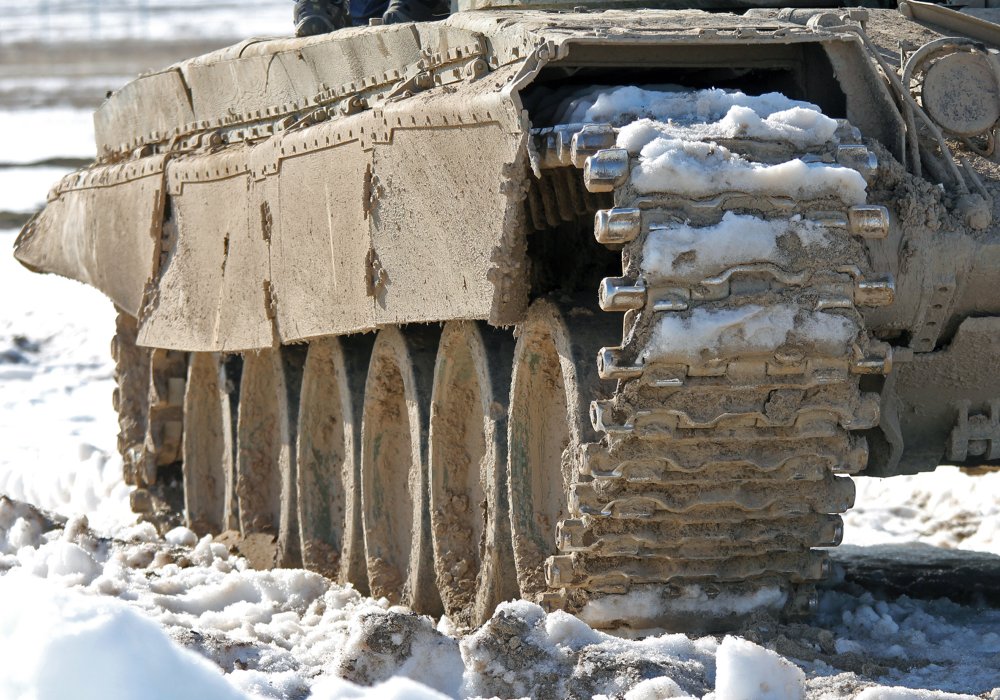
(695, 252)
(745, 671)
(698, 169)
(708, 334)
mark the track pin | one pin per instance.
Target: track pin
(608, 366)
(621, 294)
(875, 292)
(617, 226)
(600, 418)
(589, 140)
(858, 157)
(606, 170)
(868, 221)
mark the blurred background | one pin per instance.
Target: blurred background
(59, 59)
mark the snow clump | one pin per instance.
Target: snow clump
(698, 168)
(745, 671)
(680, 251)
(709, 334)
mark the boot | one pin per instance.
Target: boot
(319, 16)
(416, 11)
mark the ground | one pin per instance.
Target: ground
(123, 613)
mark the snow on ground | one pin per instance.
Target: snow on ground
(54, 133)
(945, 508)
(97, 20)
(25, 189)
(57, 426)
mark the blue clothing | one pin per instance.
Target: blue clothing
(363, 10)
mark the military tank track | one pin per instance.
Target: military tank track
(720, 467)
(149, 398)
(705, 455)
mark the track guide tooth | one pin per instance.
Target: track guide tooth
(606, 170)
(617, 226)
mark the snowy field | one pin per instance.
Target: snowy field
(98, 607)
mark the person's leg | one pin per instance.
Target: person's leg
(364, 10)
(416, 11)
(319, 16)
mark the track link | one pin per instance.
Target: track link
(738, 384)
(149, 399)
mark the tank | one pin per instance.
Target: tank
(596, 306)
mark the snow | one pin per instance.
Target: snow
(56, 132)
(746, 671)
(55, 641)
(799, 127)
(25, 190)
(674, 132)
(624, 104)
(101, 20)
(709, 333)
(697, 169)
(680, 251)
(944, 508)
(883, 693)
(57, 424)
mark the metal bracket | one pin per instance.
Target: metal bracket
(977, 435)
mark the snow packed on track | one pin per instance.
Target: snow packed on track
(96, 606)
